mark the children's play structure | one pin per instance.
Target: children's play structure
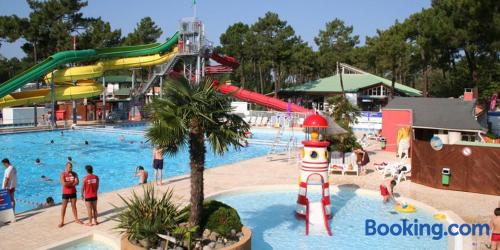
(314, 166)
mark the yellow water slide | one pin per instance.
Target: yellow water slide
(80, 74)
(93, 71)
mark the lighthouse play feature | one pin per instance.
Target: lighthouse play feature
(314, 166)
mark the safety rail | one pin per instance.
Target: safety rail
(158, 71)
(276, 142)
(307, 216)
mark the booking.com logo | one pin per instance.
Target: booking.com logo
(436, 230)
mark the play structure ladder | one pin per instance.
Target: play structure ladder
(158, 71)
(276, 143)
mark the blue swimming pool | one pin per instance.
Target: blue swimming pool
(271, 217)
(114, 161)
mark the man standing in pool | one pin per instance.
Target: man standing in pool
(89, 194)
(10, 180)
(158, 165)
(69, 181)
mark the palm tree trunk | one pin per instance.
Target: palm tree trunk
(197, 164)
(393, 81)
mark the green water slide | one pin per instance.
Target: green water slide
(70, 56)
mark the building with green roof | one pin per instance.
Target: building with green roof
(367, 91)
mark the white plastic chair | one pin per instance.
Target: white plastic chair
(403, 174)
(258, 121)
(252, 120)
(336, 164)
(351, 160)
(391, 168)
(403, 148)
(264, 121)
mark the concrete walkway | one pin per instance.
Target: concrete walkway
(38, 228)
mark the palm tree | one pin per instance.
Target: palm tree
(188, 115)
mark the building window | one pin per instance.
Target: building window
(314, 154)
(380, 91)
(469, 137)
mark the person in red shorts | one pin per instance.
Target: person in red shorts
(69, 181)
(90, 188)
(495, 230)
(386, 190)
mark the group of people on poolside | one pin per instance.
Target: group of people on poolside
(70, 180)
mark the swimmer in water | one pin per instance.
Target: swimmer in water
(45, 178)
(38, 162)
(86, 142)
(142, 174)
(51, 141)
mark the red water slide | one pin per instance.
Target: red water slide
(250, 96)
(260, 99)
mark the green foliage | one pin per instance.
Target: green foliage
(440, 50)
(336, 44)
(189, 115)
(219, 217)
(145, 32)
(183, 102)
(143, 217)
(185, 232)
(342, 111)
(98, 34)
(344, 114)
(343, 142)
(223, 220)
(48, 28)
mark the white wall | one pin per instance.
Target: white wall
(22, 115)
(240, 107)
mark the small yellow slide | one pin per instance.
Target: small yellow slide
(84, 88)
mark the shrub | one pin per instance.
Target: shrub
(223, 220)
(217, 217)
(144, 217)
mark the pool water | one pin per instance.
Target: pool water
(271, 217)
(114, 161)
(270, 134)
(89, 245)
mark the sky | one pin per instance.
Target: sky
(306, 17)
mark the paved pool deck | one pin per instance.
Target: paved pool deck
(38, 228)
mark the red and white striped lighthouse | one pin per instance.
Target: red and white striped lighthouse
(314, 163)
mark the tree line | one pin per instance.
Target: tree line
(50, 28)
(452, 45)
